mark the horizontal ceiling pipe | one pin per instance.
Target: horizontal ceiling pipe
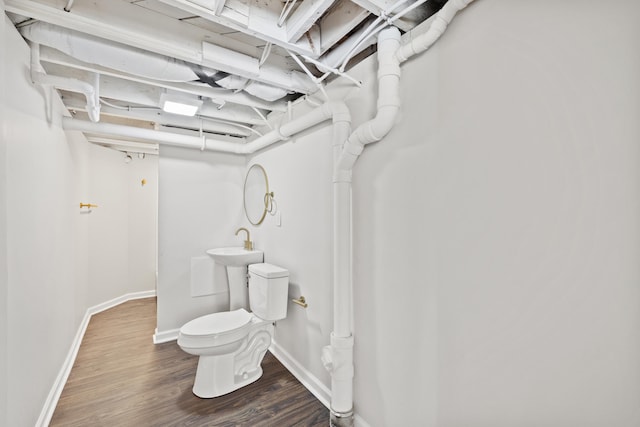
(159, 117)
(90, 91)
(337, 111)
(165, 138)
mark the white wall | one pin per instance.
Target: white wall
(4, 283)
(495, 228)
(122, 230)
(44, 303)
(200, 207)
(299, 173)
(142, 233)
(46, 275)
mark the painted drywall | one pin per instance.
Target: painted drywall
(299, 174)
(142, 233)
(49, 274)
(44, 307)
(495, 228)
(122, 230)
(4, 282)
(200, 206)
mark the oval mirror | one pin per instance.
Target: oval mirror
(256, 194)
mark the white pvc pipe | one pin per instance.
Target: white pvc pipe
(90, 91)
(336, 110)
(165, 138)
(338, 358)
(388, 102)
(437, 28)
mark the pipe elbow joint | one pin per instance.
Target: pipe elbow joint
(341, 356)
(94, 112)
(339, 111)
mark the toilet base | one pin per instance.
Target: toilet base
(207, 385)
(220, 374)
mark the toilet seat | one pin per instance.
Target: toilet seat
(215, 329)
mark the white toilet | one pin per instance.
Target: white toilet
(232, 344)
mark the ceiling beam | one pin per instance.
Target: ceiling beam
(251, 19)
(339, 22)
(304, 17)
(125, 145)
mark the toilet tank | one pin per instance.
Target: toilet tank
(268, 291)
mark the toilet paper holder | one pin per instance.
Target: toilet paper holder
(300, 301)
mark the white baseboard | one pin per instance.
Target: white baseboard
(119, 300)
(56, 390)
(165, 336)
(306, 378)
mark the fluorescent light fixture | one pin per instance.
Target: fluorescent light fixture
(179, 104)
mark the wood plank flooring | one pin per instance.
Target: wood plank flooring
(120, 378)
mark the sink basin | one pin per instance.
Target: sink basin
(236, 256)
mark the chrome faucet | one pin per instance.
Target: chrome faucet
(248, 244)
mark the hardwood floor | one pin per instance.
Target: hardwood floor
(120, 378)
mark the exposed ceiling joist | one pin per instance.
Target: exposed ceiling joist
(249, 18)
(233, 58)
(304, 17)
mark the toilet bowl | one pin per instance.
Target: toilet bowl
(232, 344)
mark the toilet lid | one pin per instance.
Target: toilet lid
(217, 323)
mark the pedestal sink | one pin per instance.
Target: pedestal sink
(236, 260)
(236, 256)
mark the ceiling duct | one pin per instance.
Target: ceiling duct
(95, 50)
(139, 62)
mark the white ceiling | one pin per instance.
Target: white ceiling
(266, 64)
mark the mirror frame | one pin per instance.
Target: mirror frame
(244, 194)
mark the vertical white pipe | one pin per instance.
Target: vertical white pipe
(339, 357)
